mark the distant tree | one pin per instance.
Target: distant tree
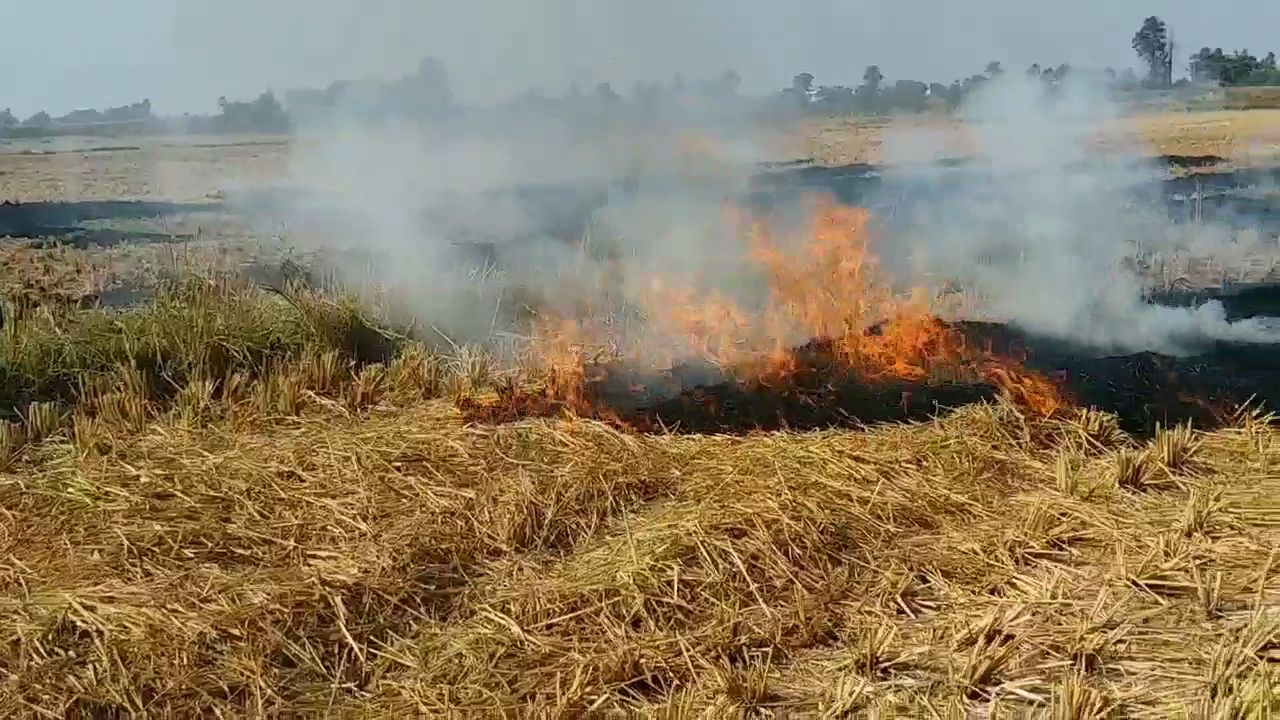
(1238, 68)
(1034, 71)
(723, 86)
(937, 91)
(425, 93)
(994, 70)
(909, 95)
(1205, 65)
(801, 93)
(264, 114)
(433, 80)
(7, 119)
(336, 92)
(834, 99)
(605, 92)
(730, 81)
(802, 83)
(867, 96)
(81, 117)
(1151, 42)
(872, 78)
(139, 111)
(645, 95)
(969, 85)
(40, 120)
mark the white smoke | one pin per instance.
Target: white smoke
(1043, 227)
(397, 203)
(1039, 230)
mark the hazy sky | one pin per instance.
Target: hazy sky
(183, 54)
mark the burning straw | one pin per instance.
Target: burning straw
(829, 316)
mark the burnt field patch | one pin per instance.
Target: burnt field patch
(1145, 391)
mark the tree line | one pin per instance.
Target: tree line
(426, 94)
(875, 95)
(264, 114)
(1156, 50)
(139, 112)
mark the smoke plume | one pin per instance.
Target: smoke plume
(1046, 225)
(477, 226)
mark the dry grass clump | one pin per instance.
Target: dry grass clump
(207, 349)
(398, 563)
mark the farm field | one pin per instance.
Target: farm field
(192, 169)
(1245, 137)
(232, 486)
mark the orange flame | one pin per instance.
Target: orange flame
(826, 284)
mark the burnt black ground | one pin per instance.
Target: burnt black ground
(1239, 301)
(1149, 389)
(1145, 390)
(43, 223)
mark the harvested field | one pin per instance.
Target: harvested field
(193, 169)
(302, 523)
(387, 560)
(70, 169)
(229, 488)
(1246, 137)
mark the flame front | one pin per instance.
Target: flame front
(825, 287)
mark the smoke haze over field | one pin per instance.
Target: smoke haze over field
(183, 54)
(1038, 228)
(1042, 231)
(1041, 238)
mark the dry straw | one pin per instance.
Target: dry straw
(397, 563)
(237, 503)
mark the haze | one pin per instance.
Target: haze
(65, 54)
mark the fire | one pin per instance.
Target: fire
(824, 284)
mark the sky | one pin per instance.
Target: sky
(183, 54)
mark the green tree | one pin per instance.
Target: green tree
(40, 120)
(729, 82)
(1151, 42)
(802, 84)
(834, 99)
(264, 114)
(867, 96)
(873, 77)
(800, 94)
(1238, 68)
(723, 86)
(909, 95)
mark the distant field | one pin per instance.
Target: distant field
(67, 169)
(1244, 136)
(230, 488)
(193, 168)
